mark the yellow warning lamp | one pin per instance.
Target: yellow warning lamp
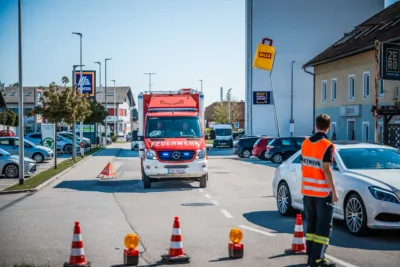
(131, 241)
(236, 235)
(265, 55)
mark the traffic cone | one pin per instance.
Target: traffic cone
(176, 253)
(77, 257)
(299, 242)
(107, 171)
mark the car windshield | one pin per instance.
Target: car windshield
(29, 143)
(173, 127)
(223, 132)
(4, 153)
(67, 136)
(370, 158)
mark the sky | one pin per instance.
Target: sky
(180, 40)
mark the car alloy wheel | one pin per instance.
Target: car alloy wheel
(246, 153)
(283, 199)
(38, 158)
(277, 158)
(11, 171)
(356, 218)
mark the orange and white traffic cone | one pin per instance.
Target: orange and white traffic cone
(299, 242)
(176, 253)
(77, 256)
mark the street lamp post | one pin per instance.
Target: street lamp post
(101, 90)
(74, 123)
(201, 85)
(150, 73)
(115, 114)
(81, 89)
(105, 95)
(229, 106)
(21, 101)
(291, 103)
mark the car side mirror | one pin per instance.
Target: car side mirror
(334, 166)
(208, 148)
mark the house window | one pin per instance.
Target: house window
(352, 87)
(366, 84)
(365, 131)
(333, 89)
(381, 88)
(323, 91)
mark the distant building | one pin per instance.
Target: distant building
(209, 111)
(344, 83)
(124, 102)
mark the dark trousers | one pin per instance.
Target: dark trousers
(319, 217)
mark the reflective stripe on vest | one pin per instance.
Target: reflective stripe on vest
(313, 178)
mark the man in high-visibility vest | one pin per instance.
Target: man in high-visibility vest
(319, 191)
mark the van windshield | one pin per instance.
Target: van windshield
(173, 127)
(223, 132)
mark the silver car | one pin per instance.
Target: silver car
(70, 136)
(367, 179)
(63, 144)
(31, 150)
(9, 165)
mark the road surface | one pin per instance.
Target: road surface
(38, 228)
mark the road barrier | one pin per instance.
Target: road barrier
(299, 242)
(131, 254)
(176, 253)
(108, 172)
(77, 256)
(235, 249)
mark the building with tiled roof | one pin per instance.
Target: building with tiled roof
(344, 77)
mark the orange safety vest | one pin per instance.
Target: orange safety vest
(313, 182)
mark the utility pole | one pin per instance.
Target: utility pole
(74, 123)
(101, 90)
(105, 95)
(291, 104)
(21, 170)
(229, 106)
(376, 82)
(150, 73)
(201, 85)
(115, 114)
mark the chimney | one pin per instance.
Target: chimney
(390, 2)
(222, 94)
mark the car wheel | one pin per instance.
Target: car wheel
(356, 215)
(284, 199)
(67, 148)
(277, 158)
(203, 181)
(240, 155)
(146, 180)
(262, 156)
(38, 157)
(11, 171)
(246, 153)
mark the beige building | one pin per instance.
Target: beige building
(344, 78)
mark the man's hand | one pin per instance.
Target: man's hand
(335, 197)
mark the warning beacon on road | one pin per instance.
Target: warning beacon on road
(131, 254)
(235, 249)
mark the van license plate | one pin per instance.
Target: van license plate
(176, 171)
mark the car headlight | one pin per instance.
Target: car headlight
(384, 195)
(201, 153)
(150, 154)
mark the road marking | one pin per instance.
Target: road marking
(227, 214)
(216, 203)
(346, 264)
(207, 196)
(256, 230)
(201, 190)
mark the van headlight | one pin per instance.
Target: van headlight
(384, 195)
(201, 153)
(150, 154)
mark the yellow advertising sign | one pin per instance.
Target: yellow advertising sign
(264, 57)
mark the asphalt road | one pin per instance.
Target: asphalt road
(38, 228)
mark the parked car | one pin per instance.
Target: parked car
(63, 144)
(9, 165)
(367, 182)
(129, 137)
(7, 133)
(134, 146)
(282, 148)
(36, 152)
(243, 146)
(260, 147)
(70, 136)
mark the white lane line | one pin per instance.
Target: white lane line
(256, 230)
(216, 203)
(346, 264)
(227, 214)
(201, 190)
(207, 196)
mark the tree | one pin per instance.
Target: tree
(63, 106)
(220, 112)
(135, 114)
(65, 80)
(98, 113)
(9, 118)
(16, 84)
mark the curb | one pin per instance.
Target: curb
(49, 181)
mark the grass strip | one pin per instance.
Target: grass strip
(210, 142)
(42, 177)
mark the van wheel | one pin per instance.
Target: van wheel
(203, 181)
(146, 180)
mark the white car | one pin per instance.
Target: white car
(367, 179)
(9, 165)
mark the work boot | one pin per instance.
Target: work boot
(323, 263)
